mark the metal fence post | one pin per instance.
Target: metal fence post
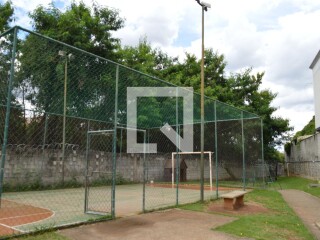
(262, 153)
(177, 147)
(216, 147)
(44, 140)
(114, 151)
(243, 155)
(7, 118)
(144, 173)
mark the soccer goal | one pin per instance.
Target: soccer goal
(191, 153)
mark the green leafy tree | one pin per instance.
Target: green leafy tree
(6, 15)
(241, 90)
(88, 28)
(17, 120)
(90, 80)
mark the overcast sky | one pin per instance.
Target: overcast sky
(279, 37)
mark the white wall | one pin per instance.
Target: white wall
(315, 66)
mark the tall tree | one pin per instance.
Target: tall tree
(17, 120)
(88, 28)
(241, 90)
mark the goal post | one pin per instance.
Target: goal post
(186, 153)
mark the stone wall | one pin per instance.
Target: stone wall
(304, 158)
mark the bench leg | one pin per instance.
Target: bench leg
(239, 202)
(228, 203)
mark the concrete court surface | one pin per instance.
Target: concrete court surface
(306, 206)
(173, 224)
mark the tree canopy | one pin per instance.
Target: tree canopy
(6, 15)
(91, 29)
(88, 28)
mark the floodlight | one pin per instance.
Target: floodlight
(207, 5)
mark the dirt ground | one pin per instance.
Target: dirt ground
(173, 224)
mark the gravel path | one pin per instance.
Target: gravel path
(306, 206)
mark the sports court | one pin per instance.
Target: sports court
(29, 211)
(77, 147)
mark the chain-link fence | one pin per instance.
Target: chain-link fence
(66, 156)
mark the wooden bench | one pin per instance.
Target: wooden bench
(233, 200)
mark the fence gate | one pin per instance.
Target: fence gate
(98, 179)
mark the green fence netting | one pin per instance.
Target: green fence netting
(64, 135)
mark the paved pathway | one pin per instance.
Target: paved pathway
(306, 206)
(172, 224)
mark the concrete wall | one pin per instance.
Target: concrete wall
(304, 159)
(29, 164)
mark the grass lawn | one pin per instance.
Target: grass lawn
(52, 235)
(297, 183)
(279, 223)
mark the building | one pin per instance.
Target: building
(303, 157)
(315, 67)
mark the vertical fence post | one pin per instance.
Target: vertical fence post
(86, 181)
(7, 118)
(44, 140)
(216, 147)
(177, 147)
(262, 154)
(114, 150)
(64, 116)
(243, 155)
(144, 173)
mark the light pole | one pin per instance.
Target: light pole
(204, 7)
(64, 54)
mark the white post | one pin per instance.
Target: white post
(210, 166)
(172, 172)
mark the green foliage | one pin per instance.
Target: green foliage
(6, 15)
(287, 148)
(241, 90)
(308, 129)
(88, 28)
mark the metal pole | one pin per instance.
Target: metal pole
(243, 155)
(216, 147)
(114, 151)
(202, 114)
(44, 140)
(177, 147)
(262, 153)
(144, 173)
(7, 119)
(64, 115)
(86, 187)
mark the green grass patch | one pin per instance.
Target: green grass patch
(279, 223)
(47, 235)
(298, 183)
